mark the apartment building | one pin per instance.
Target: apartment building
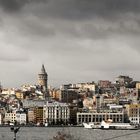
(38, 115)
(68, 95)
(10, 117)
(21, 117)
(57, 113)
(133, 111)
(31, 115)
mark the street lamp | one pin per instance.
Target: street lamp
(15, 130)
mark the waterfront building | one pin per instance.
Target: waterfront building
(97, 117)
(73, 112)
(57, 113)
(21, 117)
(43, 81)
(38, 115)
(31, 115)
(133, 111)
(10, 117)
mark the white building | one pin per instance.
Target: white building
(21, 117)
(56, 113)
(99, 117)
(10, 117)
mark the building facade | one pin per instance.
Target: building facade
(10, 117)
(31, 116)
(57, 113)
(21, 117)
(133, 111)
(99, 117)
(38, 115)
(68, 95)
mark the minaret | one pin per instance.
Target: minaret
(43, 81)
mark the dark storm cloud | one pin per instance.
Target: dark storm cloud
(107, 6)
(12, 5)
(73, 9)
(77, 40)
(86, 9)
(16, 5)
(116, 16)
(96, 19)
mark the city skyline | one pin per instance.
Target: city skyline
(76, 40)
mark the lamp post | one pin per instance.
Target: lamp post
(15, 130)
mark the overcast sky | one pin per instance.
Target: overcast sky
(76, 40)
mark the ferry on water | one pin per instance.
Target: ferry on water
(118, 126)
(110, 125)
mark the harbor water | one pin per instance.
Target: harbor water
(80, 133)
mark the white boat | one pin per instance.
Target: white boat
(91, 125)
(88, 125)
(110, 125)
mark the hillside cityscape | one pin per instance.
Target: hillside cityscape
(69, 69)
(71, 104)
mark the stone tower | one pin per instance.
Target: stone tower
(43, 81)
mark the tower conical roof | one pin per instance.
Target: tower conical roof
(43, 71)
